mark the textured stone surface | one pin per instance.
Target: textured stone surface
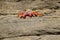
(46, 27)
(14, 7)
(44, 37)
(12, 26)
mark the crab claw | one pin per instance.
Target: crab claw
(20, 14)
(35, 13)
(30, 15)
(24, 16)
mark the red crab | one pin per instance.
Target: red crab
(23, 14)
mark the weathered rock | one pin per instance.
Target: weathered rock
(13, 26)
(14, 12)
(9, 0)
(24, 38)
(13, 7)
(44, 37)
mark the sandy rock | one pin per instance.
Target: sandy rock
(46, 27)
(12, 26)
(12, 7)
(23, 38)
(44, 37)
(9, 0)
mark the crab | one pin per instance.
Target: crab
(23, 14)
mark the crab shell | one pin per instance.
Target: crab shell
(29, 14)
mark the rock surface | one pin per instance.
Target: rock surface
(13, 7)
(44, 37)
(46, 27)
